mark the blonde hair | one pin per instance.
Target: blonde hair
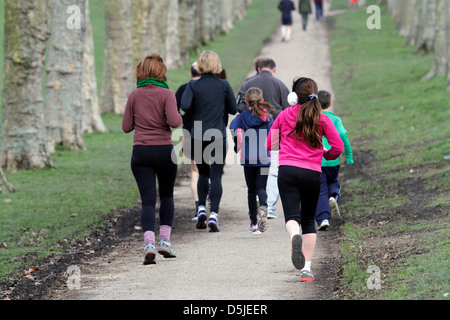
(209, 62)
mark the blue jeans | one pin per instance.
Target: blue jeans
(319, 10)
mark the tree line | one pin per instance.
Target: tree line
(50, 88)
(426, 26)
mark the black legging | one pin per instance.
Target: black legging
(299, 186)
(209, 157)
(256, 186)
(147, 164)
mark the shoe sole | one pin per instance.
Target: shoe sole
(201, 221)
(307, 279)
(298, 259)
(213, 227)
(150, 258)
(335, 213)
(166, 254)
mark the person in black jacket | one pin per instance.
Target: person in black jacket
(208, 99)
(286, 7)
(304, 8)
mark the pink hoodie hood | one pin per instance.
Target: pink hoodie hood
(297, 153)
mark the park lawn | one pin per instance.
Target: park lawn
(396, 202)
(53, 208)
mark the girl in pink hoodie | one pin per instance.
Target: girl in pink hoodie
(297, 134)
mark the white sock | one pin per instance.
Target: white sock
(307, 266)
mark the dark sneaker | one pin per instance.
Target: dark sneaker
(335, 213)
(213, 222)
(306, 275)
(298, 259)
(201, 218)
(165, 248)
(149, 254)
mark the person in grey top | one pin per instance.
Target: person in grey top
(274, 90)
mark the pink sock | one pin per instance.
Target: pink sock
(149, 237)
(164, 233)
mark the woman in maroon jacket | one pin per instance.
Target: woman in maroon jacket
(151, 111)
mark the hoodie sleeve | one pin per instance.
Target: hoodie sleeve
(273, 138)
(128, 115)
(330, 132)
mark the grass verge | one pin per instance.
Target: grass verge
(396, 196)
(53, 208)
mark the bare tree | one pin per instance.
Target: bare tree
(118, 78)
(23, 134)
(63, 96)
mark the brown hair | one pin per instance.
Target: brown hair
(307, 126)
(254, 98)
(152, 66)
(209, 62)
(324, 99)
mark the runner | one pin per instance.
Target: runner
(297, 133)
(209, 98)
(151, 111)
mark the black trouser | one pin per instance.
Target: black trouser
(256, 186)
(299, 187)
(149, 163)
(209, 156)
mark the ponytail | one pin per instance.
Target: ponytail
(308, 119)
(254, 99)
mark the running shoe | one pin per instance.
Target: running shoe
(149, 254)
(335, 213)
(165, 248)
(272, 215)
(254, 230)
(324, 225)
(201, 218)
(213, 222)
(306, 275)
(262, 223)
(298, 259)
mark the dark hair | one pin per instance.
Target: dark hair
(324, 99)
(254, 98)
(307, 126)
(222, 75)
(194, 71)
(152, 66)
(267, 63)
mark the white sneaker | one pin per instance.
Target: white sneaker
(324, 225)
(213, 222)
(254, 230)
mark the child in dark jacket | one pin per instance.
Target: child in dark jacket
(249, 130)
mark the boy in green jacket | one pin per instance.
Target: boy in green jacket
(330, 188)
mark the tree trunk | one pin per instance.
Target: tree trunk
(427, 34)
(414, 24)
(91, 118)
(141, 29)
(407, 15)
(63, 96)
(118, 75)
(227, 16)
(447, 10)
(5, 186)
(23, 136)
(439, 67)
(189, 28)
